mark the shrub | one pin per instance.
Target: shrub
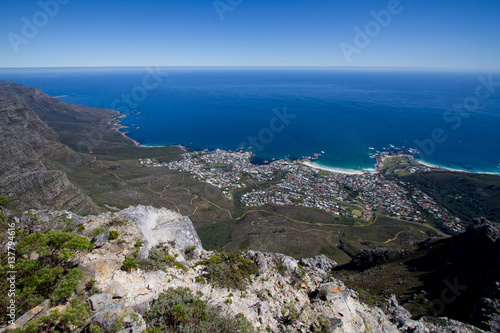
(178, 310)
(129, 263)
(97, 231)
(90, 284)
(229, 270)
(80, 227)
(190, 251)
(200, 280)
(75, 316)
(138, 243)
(113, 235)
(159, 259)
(4, 200)
(290, 315)
(51, 275)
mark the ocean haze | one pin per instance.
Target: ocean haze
(343, 113)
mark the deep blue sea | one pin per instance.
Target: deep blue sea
(452, 118)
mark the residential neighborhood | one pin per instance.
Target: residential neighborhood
(291, 183)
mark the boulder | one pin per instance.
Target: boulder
(108, 316)
(133, 323)
(117, 290)
(162, 226)
(100, 239)
(321, 262)
(99, 301)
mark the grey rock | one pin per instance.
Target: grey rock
(397, 313)
(100, 239)
(162, 226)
(117, 290)
(88, 271)
(99, 301)
(36, 312)
(107, 317)
(288, 263)
(321, 261)
(133, 323)
(262, 307)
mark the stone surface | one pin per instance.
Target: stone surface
(321, 262)
(107, 316)
(117, 290)
(100, 239)
(133, 323)
(99, 301)
(162, 226)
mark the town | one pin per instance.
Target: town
(291, 183)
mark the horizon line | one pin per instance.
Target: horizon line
(416, 68)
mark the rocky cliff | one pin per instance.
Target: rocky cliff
(467, 267)
(281, 295)
(24, 141)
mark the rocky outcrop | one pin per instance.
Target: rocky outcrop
(159, 226)
(465, 268)
(283, 296)
(367, 258)
(322, 262)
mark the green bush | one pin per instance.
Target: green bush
(4, 200)
(75, 316)
(129, 263)
(229, 270)
(200, 280)
(178, 310)
(50, 275)
(159, 259)
(97, 231)
(113, 235)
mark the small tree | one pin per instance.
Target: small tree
(4, 200)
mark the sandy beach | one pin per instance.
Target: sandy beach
(343, 171)
(433, 166)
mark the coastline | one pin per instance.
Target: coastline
(336, 170)
(436, 166)
(309, 163)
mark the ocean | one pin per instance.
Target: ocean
(452, 118)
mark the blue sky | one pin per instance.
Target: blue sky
(436, 34)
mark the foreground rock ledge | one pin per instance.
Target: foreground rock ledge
(282, 285)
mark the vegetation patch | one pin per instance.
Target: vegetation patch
(44, 269)
(159, 259)
(178, 310)
(229, 270)
(76, 315)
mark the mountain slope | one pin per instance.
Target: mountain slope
(24, 141)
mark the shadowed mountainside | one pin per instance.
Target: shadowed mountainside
(24, 140)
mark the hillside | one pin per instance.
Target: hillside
(25, 140)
